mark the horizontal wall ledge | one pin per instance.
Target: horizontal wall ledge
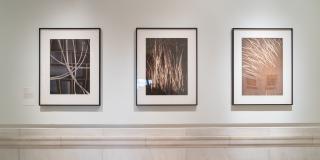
(159, 125)
(160, 137)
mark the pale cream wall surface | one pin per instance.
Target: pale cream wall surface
(19, 58)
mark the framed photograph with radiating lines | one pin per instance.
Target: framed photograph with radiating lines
(166, 66)
(69, 66)
(262, 66)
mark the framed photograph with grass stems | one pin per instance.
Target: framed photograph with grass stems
(166, 66)
(69, 66)
(262, 66)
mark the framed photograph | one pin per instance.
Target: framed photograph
(166, 66)
(69, 67)
(262, 66)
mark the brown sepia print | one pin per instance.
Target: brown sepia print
(166, 66)
(262, 66)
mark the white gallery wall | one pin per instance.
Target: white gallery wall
(19, 50)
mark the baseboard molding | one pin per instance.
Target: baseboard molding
(161, 137)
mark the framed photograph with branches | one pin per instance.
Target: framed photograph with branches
(166, 66)
(69, 67)
(262, 66)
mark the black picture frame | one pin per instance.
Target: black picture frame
(98, 103)
(136, 65)
(233, 64)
